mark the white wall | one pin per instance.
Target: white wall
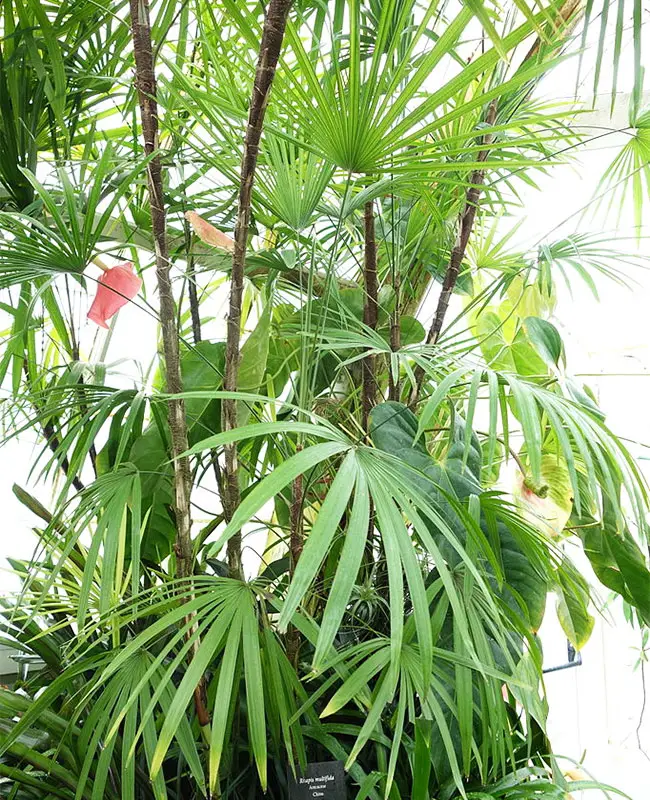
(595, 708)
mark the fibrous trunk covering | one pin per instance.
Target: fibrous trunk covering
(370, 310)
(272, 36)
(146, 86)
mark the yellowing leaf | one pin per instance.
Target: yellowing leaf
(547, 505)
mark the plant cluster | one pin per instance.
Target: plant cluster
(294, 538)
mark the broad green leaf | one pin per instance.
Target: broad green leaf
(252, 365)
(572, 609)
(201, 370)
(546, 339)
(150, 456)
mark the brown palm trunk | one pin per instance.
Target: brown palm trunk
(272, 36)
(565, 19)
(370, 310)
(369, 363)
(466, 224)
(146, 86)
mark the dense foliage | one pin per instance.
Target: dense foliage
(328, 528)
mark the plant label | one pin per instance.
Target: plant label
(324, 780)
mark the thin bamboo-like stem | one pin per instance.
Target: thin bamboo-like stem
(395, 341)
(192, 294)
(465, 227)
(296, 540)
(146, 87)
(270, 46)
(370, 310)
(51, 438)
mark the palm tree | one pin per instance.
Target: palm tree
(360, 586)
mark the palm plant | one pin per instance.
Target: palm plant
(361, 587)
